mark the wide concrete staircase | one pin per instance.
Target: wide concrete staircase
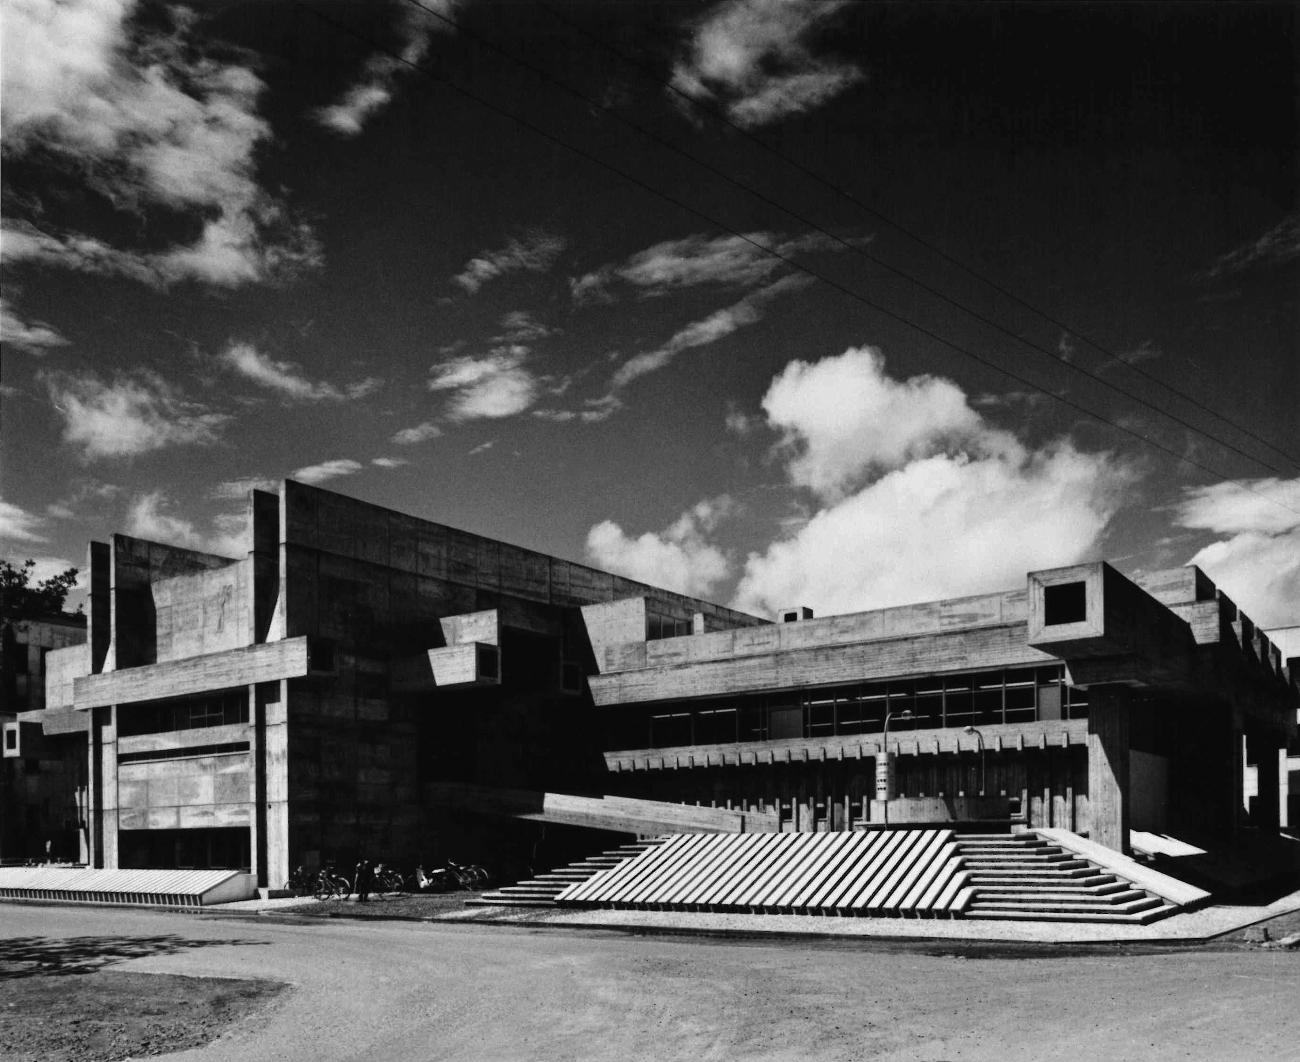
(541, 891)
(1022, 876)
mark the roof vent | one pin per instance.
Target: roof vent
(794, 615)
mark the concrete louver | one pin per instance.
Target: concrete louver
(895, 872)
(153, 888)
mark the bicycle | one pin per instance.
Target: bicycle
(389, 879)
(330, 884)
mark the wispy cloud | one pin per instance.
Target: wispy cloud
(519, 326)
(239, 488)
(18, 525)
(419, 433)
(716, 326)
(133, 414)
(673, 265)
(535, 253)
(287, 378)
(1279, 245)
(326, 470)
(494, 385)
(151, 121)
(374, 89)
(756, 59)
(32, 337)
(389, 462)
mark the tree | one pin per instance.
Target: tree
(20, 600)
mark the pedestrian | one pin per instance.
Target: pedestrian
(364, 881)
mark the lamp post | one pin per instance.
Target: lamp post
(883, 778)
(980, 737)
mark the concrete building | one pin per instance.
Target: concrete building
(42, 760)
(365, 682)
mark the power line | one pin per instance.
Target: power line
(1110, 356)
(848, 245)
(774, 253)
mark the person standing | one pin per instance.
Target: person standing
(364, 881)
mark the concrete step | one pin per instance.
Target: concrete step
(1078, 876)
(1053, 899)
(1067, 888)
(1110, 917)
(492, 901)
(1031, 907)
(1011, 864)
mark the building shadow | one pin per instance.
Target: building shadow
(57, 956)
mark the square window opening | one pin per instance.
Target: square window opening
(1065, 603)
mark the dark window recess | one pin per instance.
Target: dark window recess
(1065, 603)
(785, 723)
(488, 663)
(208, 848)
(11, 739)
(320, 655)
(664, 627)
(183, 754)
(183, 713)
(571, 677)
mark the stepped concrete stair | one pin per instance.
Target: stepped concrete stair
(136, 888)
(542, 889)
(1026, 876)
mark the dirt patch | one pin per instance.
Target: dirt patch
(108, 1015)
(1273, 930)
(394, 905)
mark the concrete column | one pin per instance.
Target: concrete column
(274, 761)
(107, 794)
(1108, 766)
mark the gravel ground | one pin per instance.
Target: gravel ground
(106, 1015)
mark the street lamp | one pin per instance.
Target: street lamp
(972, 730)
(906, 713)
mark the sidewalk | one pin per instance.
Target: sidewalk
(1190, 928)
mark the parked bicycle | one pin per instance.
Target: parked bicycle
(452, 876)
(330, 884)
(389, 879)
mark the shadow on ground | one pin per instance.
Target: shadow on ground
(53, 956)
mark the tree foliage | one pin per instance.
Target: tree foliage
(19, 599)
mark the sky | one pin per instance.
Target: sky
(843, 305)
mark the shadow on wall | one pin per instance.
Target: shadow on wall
(47, 956)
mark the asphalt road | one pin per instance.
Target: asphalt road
(393, 992)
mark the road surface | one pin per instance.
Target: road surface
(420, 992)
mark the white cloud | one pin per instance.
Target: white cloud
(533, 254)
(287, 378)
(843, 417)
(418, 434)
(498, 384)
(699, 259)
(482, 447)
(239, 488)
(677, 558)
(33, 337)
(134, 414)
(755, 58)
(1256, 561)
(150, 516)
(716, 326)
(389, 462)
(18, 525)
(149, 120)
(374, 90)
(519, 326)
(319, 473)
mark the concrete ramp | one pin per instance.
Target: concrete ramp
(619, 814)
(882, 872)
(153, 888)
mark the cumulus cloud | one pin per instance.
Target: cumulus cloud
(497, 384)
(678, 558)
(134, 414)
(151, 516)
(32, 337)
(417, 434)
(287, 378)
(673, 265)
(533, 254)
(319, 473)
(917, 496)
(842, 417)
(151, 119)
(755, 59)
(374, 90)
(1256, 559)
